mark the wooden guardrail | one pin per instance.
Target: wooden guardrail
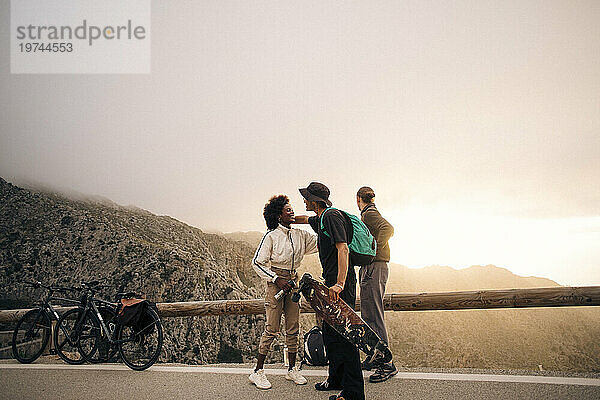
(561, 296)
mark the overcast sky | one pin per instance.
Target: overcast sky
(477, 123)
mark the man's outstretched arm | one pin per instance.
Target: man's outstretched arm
(300, 219)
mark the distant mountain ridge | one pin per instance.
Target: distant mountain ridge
(441, 279)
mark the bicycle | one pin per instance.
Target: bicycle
(106, 351)
(32, 332)
(139, 346)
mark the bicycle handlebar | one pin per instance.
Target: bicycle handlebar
(94, 285)
(35, 284)
(65, 289)
(39, 284)
(125, 295)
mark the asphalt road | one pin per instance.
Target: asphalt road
(60, 381)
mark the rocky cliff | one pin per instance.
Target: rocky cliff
(49, 237)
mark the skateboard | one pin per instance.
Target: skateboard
(341, 317)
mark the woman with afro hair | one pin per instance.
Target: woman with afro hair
(278, 255)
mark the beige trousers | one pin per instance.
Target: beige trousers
(274, 310)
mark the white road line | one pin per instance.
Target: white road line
(551, 380)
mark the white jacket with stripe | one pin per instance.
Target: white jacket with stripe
(282, 248)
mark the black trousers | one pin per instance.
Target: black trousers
(344, 359)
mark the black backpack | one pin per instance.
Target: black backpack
(314, 348)
(137, 317)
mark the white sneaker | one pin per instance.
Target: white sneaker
(259, 379)
(294, 375)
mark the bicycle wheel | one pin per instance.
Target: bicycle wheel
(31, 335)
(76, 336)
(106, 351)
(140, 348)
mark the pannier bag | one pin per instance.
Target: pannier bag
(361, 243)
(314, 348)
(133, 313)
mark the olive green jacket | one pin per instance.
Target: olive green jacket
(380, 228)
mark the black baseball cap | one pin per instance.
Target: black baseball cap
(316, 192)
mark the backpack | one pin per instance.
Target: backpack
(314, 348)
(133, 313)
(361, 243)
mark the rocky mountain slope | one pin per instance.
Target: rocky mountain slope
(51, 238)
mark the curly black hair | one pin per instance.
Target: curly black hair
(273, 210)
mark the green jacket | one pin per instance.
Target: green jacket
(380, 228)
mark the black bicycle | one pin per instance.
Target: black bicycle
(139, 344)
(32, 333)
(87, 344)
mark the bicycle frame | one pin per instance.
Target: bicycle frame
(39, 321)
(110, 335)
(90, 306)
(47, 305)
(46, 308)
(104, 330)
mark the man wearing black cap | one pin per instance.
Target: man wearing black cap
(344, 359)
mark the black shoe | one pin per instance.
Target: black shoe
(324, 386)
(366, 365)
(383, 373)
(336, 397)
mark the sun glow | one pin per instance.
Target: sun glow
(559, 249)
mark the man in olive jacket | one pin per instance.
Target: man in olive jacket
(373, 278)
